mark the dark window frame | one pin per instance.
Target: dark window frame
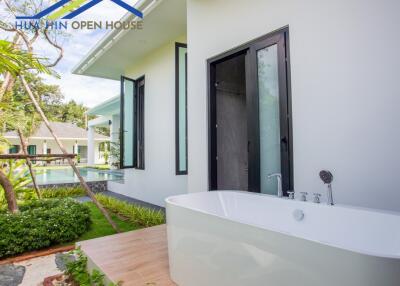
(138, 161)
(140, 123)
(122, 125)
(280, 37)
(177, 107)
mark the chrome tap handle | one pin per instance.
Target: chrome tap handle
(291, 195)
(317, 197)
(303, 196)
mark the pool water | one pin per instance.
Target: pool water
(67, 175)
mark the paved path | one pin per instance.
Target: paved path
(31, 272)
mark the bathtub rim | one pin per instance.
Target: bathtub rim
(359, 251)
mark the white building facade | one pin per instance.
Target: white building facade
(330, 98)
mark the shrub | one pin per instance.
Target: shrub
(41, 224)
(98, 167)
(138, 215)
(62, 192)
(77, 270)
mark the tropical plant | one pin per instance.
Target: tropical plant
(136, 214)
(106, 155)
(77, 270)
(115, 154)
(62, 192)
(18, 175)
(15, 61)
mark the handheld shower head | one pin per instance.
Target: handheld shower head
(326, 176)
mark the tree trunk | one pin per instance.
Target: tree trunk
(29, 163)
(9, 193)
(70, 161)
(5, 85)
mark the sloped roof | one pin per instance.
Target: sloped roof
(62, 130)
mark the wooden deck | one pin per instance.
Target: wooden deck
(135, 258)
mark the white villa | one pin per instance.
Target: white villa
(107, 115)
(262, 87)
(268, 129)
(74, 139)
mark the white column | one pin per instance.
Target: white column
(44, 151)
(44, 148)
(114, 129)
(76, 147)
(91, 146)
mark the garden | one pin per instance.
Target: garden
(35, 219)
(59, 219)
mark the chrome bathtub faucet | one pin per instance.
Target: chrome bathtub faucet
(279, 179)
(303, 196)
(317, 197)
(291, 195)
(327, 178)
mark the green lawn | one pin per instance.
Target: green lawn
(100, 227)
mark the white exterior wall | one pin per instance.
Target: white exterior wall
(345, 92)
(158, 180)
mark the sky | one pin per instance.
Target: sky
(89, 91)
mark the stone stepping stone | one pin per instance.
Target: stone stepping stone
(11, 275)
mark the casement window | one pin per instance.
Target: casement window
(14, 149)
(132, 123)
(181, 109)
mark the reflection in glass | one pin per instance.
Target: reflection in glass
(268, 85)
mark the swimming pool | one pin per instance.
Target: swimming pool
(67, 175)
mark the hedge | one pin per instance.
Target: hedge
(42, 224)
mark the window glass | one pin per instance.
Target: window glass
(181, 105)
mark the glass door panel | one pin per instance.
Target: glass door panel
(269, 117)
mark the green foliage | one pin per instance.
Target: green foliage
(77, 270)
(98, 167)
(62, 192)
(18, 174)
(71, 112)
(106, 156)
(115, 153)
(138, 215)
(50, 99)
(101, 227)
(15, 61)
(41, 224)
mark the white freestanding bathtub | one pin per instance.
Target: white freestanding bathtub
(238, 238)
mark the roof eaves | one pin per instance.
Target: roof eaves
(93, 110)
(111, 38)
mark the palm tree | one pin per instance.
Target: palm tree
(13, 61)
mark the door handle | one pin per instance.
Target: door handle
(284, 141)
